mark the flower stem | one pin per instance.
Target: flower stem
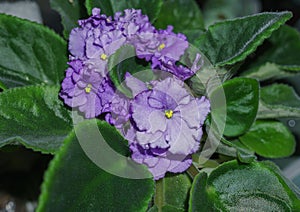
(192, 171)
(159, 199)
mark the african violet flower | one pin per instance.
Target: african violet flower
(86, 85)
(86, 90)
(163, 123)
(164, 49)
(166, 125)
(119, 111)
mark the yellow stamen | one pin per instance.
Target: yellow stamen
(161, 46)
(88, 88)
(169, 114)
(103, 56)
(149, 86)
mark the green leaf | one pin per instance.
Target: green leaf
(240, 102)
(74, 183)
(219, 10)
(182, 14)
(243, 153)
(35, 117)
(231, 41)
(282, 49)
(172, 192)
(199, 200)
(270, 139)
(166, 208)
(125, 60)
(278, 101)
(70, 12)
(110, 7)
(279, 58)
(30, 53)
(242, 187)
(170, 208)
(267, 71)
(288, 182)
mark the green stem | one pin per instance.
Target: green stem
(192, 171)
(159, 199)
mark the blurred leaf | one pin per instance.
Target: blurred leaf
(231, 41)
(182, 14)
(219, 10)
(242, 187)
(70, 11)
(110, 7)
(269, 139)
(240, 102)
(278, 101)
(74, 183)
(35, 117)
(30, 53)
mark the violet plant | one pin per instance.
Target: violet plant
(145, 108)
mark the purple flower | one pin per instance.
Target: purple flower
(163, 122)
(160, 161)
(132, 23)
(91, 28)
(86, 85)
(164, 45)
(164, 48)
(119, 112)
(87, 90)
(98, 55)
(179, 70)
(167, 126)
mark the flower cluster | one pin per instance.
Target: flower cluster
(163, 120)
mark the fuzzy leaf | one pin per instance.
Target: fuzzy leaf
(278, 101)
(282, 49)
(242, 187)
(269, 139)
(239, 97)
(172, 192)
(35, 117)
(70, 12)
(231, 41)
(87, 187)
(30, 53)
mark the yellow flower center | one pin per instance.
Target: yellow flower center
(169, 114)
(103, 56)
(161, 46)
(88, 88)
